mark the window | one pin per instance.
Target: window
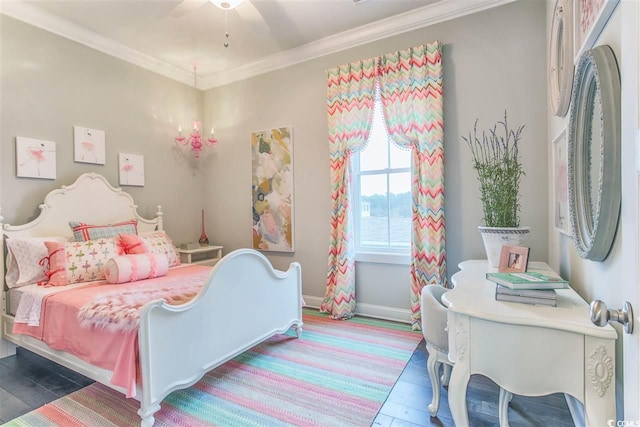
(382, 192)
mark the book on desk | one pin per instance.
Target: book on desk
(528, 280)
(527, 288)
(527, 296)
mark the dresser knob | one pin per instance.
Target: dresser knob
(601, 315)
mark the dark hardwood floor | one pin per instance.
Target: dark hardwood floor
(28, 381)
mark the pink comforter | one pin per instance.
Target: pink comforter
(116, 351)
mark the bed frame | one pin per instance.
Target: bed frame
(244, 302)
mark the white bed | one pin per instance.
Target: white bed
(243, 302)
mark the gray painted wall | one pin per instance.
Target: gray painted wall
(493, 60)
(49, 84)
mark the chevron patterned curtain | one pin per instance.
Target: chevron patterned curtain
(351, 92)
(411, 93)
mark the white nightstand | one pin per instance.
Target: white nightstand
(204, 255)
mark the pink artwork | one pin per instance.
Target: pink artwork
(591, 16)
(89, 145)
(35, 158)
(590, 9)
(131, 169)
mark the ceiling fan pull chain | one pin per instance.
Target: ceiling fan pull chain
(226, 28)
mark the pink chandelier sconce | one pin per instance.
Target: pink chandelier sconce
(195, 140)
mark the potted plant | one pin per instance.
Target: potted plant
(499, 168)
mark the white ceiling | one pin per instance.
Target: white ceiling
(169, 36)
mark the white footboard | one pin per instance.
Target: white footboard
(244, 302)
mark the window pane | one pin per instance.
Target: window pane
(400, 157)
(373, 211)
(400, 209)
(375, 155)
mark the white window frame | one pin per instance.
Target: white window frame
(376, 253)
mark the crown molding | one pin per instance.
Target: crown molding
(441, 11)
(31, 15)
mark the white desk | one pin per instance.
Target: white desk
(528, 349)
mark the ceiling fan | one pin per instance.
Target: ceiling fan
(245, 8)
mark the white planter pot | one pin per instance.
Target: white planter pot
(495, 237)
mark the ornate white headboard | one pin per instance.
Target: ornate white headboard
(91, 199)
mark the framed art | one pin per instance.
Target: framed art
(35, 158)
(560, 165)
(131, 169)
(591, 16)
(272, 189)
(88, 145)
(513, 259)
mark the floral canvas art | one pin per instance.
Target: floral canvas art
(35, 158)
(89, 145)
(272, 188)
(131, 169)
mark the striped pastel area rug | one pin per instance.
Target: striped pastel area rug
(338, 374)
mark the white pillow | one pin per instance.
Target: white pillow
(24, 256)
(131, 268)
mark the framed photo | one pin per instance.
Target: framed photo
(88, 145)
(35, 158)
(559, 164)
(591, 16)
(513, 259)
(131, 169)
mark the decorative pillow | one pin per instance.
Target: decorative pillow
(155, 242)
(76, 262)
(23, 260)
(83, 232)
(130, 268)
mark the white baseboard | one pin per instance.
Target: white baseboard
(369, 310)
(7, 348)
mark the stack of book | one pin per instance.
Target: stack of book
(527, 288)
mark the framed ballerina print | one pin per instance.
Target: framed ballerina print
(88, 145)
(35, 158)
(131, 169)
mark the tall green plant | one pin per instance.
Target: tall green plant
(497, 163)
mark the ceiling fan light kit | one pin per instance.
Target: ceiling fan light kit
(227, 4)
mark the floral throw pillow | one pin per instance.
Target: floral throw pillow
(155, 242)
(76, 262)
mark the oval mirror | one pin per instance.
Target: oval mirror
(561, 57)
(594, 153)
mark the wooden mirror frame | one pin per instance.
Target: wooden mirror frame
(561, 57)
(595, 219)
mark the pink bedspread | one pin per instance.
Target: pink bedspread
(116, 351)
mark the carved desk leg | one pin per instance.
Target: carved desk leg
(460, 374)
(599, 381)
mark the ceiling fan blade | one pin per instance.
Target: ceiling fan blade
(248, 12)
(185, 6)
